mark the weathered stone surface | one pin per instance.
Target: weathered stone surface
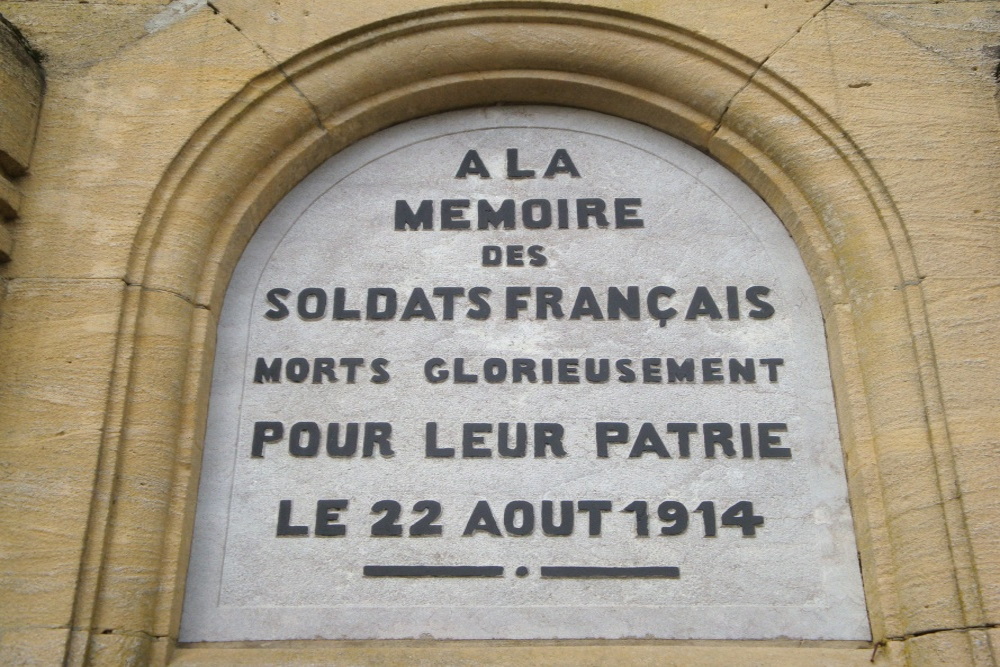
(32, 646)
(950, 647)
(57, 339)
(6, 244)
(284, 30)
(20, 100)
(964, 315)
(116, 131)
(71, 36)
(10, 199)
(950, 226)
(21, 87)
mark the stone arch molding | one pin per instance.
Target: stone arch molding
(282, 124)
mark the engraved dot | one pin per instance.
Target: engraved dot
(521, 571)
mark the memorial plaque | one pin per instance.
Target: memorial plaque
(522, 373)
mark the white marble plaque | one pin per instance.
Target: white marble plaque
(522, 373)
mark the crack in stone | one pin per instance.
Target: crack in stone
(180, 296)
(902, 638)
(966, 628)
(761, 65)
(317, 117)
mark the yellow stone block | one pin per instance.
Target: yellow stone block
(32, 646)
(6, 243)
(108, 140)
(20, 99)
(957, 647)
(57, 343)
(10, 198)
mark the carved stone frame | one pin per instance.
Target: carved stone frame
(257, 146)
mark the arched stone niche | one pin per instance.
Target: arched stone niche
(505, 318)
(254, 149)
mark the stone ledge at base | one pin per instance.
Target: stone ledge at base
(556, 654)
